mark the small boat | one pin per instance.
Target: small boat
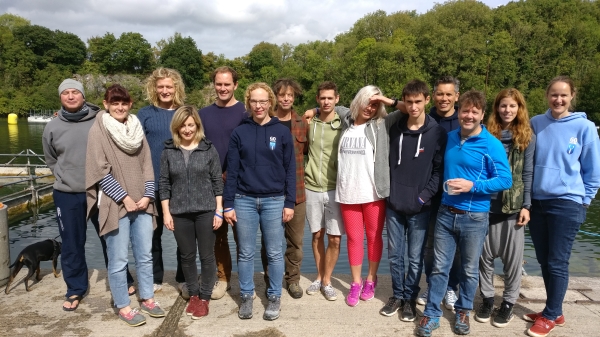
(41, 116)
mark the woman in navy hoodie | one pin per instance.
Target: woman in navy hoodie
(260, 190)
(565, 180)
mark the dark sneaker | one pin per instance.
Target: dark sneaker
(462, 325)
(133, 318)
(183, 291)
(201, 310)
(427, 325)
(295, 290)
(153, 309)
(273, 308)
(392, 305)
(503, 316)
(560, 321)
(409, 311)
(484, 312)
(245, 311)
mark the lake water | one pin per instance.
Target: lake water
(585, 258)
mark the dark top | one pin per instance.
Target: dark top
(260, 162)
(448, 123)
(287, 124)
(219, 123)
(156, 123)
(190, 188)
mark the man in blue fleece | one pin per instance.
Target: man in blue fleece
(475, 166)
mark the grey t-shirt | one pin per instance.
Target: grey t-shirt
(186, 154)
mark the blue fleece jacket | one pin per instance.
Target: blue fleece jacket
(567, 158)
(480, 159)
(260, 162)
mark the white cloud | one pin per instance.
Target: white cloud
(224, 27)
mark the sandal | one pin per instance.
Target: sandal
(71, 300)
(133, 292)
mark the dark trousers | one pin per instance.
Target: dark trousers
(195, 230)
(94, 219)
(294, 232)
(71, 211)
(553, 227)
(158, 268)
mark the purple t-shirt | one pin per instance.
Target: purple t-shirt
(219, 124)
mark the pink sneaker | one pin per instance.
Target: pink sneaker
(352, 298)
(368, 290)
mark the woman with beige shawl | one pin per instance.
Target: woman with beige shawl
(120, 186)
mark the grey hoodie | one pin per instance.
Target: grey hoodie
(65, 146)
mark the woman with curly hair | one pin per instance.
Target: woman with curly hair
(509, 210)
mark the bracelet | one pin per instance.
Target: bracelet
(395, 103)
(217, 215)
(220, 210)
(228, 210)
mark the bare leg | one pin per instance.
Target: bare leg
(331, 257)
(318, 245)
(373, 266)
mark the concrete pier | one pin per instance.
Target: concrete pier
(39, 312)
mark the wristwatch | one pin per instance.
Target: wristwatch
(395, 102)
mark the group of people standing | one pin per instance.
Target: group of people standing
(453, 193)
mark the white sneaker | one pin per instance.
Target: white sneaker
(314, 288)
(220, 289)
(422, 300)
(450, 299)
(157, 287)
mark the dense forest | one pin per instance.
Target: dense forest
(522, 44)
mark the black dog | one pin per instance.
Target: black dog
(31, 256)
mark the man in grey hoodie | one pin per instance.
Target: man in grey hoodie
(65, 145)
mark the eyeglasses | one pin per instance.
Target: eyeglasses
(261, 103)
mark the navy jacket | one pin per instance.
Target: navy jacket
(260, 162)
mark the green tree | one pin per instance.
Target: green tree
(181, 53)
(132, 54)
(12, 21)
(261, 56)
(101, 52)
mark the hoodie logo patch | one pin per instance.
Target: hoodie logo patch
(572, 143)
(272, 142)
(421, 150)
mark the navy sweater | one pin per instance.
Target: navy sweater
(156, 123)
(219, 123)
(448, 123)
(260, 162)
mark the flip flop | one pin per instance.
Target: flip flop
(71, 300)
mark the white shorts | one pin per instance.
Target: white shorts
(323, 212)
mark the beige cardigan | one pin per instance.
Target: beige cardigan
(131, 171)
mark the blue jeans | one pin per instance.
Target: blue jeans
(553, 226)
(406, 231)
(467, 232)
(267, 213)
(428, 255)
(137, 228)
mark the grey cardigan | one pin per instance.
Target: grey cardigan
(377, 132)
(193, 187)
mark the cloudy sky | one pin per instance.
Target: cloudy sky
(230, 27)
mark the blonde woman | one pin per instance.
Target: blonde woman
(260, 190)
(190, 189)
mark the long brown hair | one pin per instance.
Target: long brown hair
(519, 127)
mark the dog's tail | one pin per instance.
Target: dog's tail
(18, 259)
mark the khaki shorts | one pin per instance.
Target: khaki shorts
(323, 212)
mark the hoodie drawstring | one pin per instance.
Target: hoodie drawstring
(374, 142)
(418, 145)
(400, 147)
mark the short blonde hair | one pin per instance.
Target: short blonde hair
(265, 87)
(361, 100)
(159, 74)
(181, 115)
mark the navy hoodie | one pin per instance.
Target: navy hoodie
(416, 165)
(260, 162)
(448, 123)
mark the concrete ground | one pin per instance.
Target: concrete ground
(39, 313)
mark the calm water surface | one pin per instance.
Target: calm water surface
(585, 258)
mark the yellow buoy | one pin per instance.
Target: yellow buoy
(12, 118)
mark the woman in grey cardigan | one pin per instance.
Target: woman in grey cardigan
(190, 188)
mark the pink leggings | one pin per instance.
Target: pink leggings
(359, 218)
